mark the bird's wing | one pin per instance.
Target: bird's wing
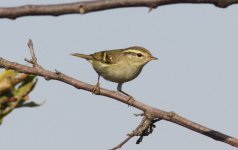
(108, 57)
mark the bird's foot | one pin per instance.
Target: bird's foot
(96, 89)
(130, 101)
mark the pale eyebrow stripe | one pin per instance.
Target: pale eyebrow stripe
(131, 51)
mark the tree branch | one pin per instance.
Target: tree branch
(150, 113)
(96, 5)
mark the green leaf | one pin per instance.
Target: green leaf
(7, 74)
(29, 104)
(25, 87)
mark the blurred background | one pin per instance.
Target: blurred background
(196, 76)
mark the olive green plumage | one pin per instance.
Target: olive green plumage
(121, 65)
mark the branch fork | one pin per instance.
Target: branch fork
(145, 128)
(33, 59)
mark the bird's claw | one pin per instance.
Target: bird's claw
(96, 89)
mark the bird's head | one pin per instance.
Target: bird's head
(138, 56)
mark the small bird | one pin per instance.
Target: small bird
(120, 65)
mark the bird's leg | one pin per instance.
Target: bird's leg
(130, 99)
(96, 88)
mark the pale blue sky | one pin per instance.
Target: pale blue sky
(196, 76)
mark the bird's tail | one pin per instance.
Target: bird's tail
(87, 57)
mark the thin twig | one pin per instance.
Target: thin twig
(122, 143)
(30, 45)
(145, 128)
(130, 135)
(33, 59)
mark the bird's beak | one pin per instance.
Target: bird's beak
(153, 58)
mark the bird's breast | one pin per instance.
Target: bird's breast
(118, 72)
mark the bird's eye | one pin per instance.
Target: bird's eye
(139, 54)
